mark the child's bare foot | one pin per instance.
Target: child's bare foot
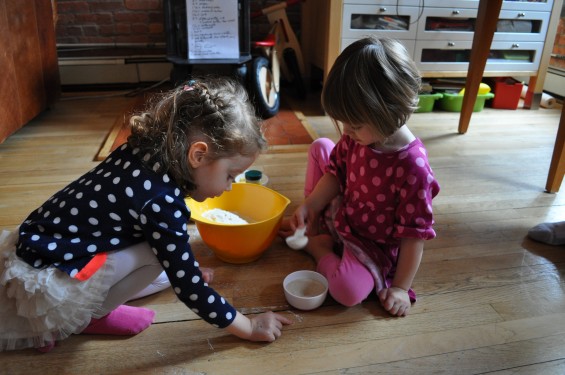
(395, 300)
(319, 246)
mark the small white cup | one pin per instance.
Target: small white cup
(305, 289)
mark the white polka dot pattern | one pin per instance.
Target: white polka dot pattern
(115, 205)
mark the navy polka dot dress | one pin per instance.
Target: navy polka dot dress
(120, 203)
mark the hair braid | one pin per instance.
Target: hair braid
(214, 110)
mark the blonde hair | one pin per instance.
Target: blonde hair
(215, 110)
(374, 82)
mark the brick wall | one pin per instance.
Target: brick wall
(132, 21)
(112, 21)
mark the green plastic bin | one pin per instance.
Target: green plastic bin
(454, 102)
(426, 102)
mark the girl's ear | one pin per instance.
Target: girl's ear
(197, 153)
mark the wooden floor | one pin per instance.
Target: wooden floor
(490, 300)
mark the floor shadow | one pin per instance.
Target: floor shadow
(553, 253)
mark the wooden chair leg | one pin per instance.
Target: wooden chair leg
(557, 166)
(487, 19)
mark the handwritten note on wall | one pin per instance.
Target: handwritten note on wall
(212, 29)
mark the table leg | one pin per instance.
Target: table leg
(557, 166)
(485, 26)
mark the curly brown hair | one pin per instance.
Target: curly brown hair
(375, 82)
(215, 110)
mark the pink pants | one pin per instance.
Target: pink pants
(350, 282)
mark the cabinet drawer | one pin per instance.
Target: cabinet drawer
(517, 25)
(454, 56)
(459, 24)
(397, 22)
(447, 24)
(408, 44)
(412, 3)
(542, 5)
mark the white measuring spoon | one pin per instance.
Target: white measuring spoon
(298, 240)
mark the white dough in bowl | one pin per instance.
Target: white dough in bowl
(223, 217)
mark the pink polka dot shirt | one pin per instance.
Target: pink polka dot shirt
(386, 196)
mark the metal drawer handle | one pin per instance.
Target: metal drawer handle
(451, 44)
(515, 45)
(521, 14)
(455, 12)
(382, 9)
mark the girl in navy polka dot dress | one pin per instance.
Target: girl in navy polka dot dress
(368, 206)
(75, 261)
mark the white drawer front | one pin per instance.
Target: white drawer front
(454, 56)
(390, 21)
(413, 3)
(520, 25)
(459, 24)
(447, 23)
(539, 6)
(474, 4)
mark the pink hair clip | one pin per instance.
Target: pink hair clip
(189, 86)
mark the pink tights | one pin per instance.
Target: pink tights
(318, 159)
(350, 282)
(137, 273)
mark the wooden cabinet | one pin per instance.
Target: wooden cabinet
(437, 33)
(28, 62)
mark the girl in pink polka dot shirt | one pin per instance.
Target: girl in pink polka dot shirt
(368, 205)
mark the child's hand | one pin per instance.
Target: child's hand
(299, 219)
(285, 229)
(263, 327)
(207, 274)
(395, 300)
(267, 326)
(304, 216)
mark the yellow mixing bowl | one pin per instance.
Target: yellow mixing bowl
(261, 207)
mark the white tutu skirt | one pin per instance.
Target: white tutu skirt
(39, 306)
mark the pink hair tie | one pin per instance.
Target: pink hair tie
(189, 86)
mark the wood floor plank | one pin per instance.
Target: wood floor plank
(311, 333)
(444, 347)
(507, 358)
(556, 367)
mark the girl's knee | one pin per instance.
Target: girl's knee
(321, 148)
(318, 158)
(350, 288)
(350, 283)
(349, 294)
